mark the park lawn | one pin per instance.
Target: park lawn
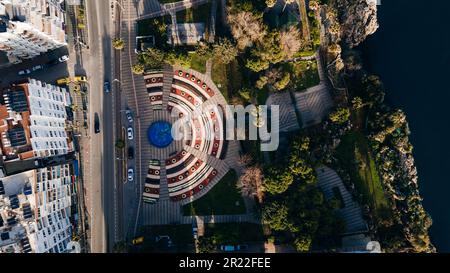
(305, 74)
(355, 156)
(224, 198)
(234, 233)
(219, 77)
(198, 63)
(227, 77)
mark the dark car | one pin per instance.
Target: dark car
(106, 87)
(96, 124)
(130, 152)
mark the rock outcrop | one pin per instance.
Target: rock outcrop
(358, 19)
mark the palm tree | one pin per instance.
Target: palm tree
(137, 69)
(118, 43)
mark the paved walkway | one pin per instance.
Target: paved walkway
(315, 103)
(169, 8)
(351, 213)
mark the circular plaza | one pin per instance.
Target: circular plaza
(181, 169)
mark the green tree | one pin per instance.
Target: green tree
(120, 144)
(118, 43)
(271, 3)
(275, 215)
(277, 180)
(357, 103)
(178, 58)
(151, 58)
(261, 82)
(340, 115)
(206, 244)
(283, 82)
(303, 243)
(267, 52)
(138, 69)
(204, 50)
(299, 167)
(245, 93)
(224, 51)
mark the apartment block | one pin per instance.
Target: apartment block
(35, 210)
(33, 118)
(31, 27)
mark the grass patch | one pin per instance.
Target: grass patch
(223, 198)
(227, 77)
(355, 156)
(234, 233)
(198, 62)
(305, 74)
(219, 77)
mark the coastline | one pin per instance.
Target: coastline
(387, 131)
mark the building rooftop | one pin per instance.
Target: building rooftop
(32, 121)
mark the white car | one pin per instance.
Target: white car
(37, 67)
(129, 116)
(64, 58)
(130, 175)
(24, 72)
(130, 133)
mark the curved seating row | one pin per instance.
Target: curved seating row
(193, 81)
(151, 186)
(194, 185)
(154, 83)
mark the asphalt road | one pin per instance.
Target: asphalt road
(102, 177)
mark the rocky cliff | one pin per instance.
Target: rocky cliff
(358, 19)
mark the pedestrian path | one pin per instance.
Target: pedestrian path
(351, 213)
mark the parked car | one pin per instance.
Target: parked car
(195, 229)
(106, 86)
(37, 67)
(64, 58)
(130, 175)
(24, 72)
(129, 116)
(228, 248)
(138, 240)
(63, 81)
(130, 153)
(130, 133)
(154, 162)
(96, 123)
(80, 79)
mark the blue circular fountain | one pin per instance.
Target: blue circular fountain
(160, 134)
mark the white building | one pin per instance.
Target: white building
(30, 27)
(33, 121)
(35, 210)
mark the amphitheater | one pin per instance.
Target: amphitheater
(182, 170)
